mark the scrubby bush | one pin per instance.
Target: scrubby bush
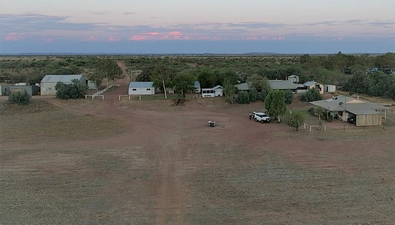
(311, 95)
(253, 95)
(263, 95)
(295, 119)
(289, 96)
(242, 97)
(19, 97)
(70, 91)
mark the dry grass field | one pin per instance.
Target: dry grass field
(150, 162)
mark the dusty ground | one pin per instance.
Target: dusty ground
(149, 162)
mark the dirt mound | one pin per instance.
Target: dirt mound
(35, 106)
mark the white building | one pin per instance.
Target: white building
(141, 88)
(48, 83)
(212, 92)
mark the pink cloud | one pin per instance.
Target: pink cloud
(152, 33)
(112, 39)
(14, 37)
(91, 38)
(175, 33)
(137, 38)
(48, 39)
(129, 13)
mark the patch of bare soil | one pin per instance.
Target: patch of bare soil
(169, 167)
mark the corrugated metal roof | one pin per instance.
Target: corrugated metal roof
(344, 103)
(283, 85)
(141, 84)
(243, 87)
(60, 78)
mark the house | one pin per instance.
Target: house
(212, 92)
(343, 107)
(312, 84)
(141, 88)
(284, 85)
(48, 83)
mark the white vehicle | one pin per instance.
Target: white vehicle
(261, 117)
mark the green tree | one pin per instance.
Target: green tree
(289, 96)
(275, 104)
(229, 91)
(242, 97)
(105, 69)
(258, 82)
(295, 119)
(311, 95)
(162, 77)
(19, 97)
(184, 82)
(70, 91)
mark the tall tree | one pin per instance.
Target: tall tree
(106, 69)
(184, 82)
(258, 82)
(275, 104)
(162, 76)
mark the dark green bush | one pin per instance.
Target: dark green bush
(289, 96)
(311, 95)
(19, 97)
(242, 97)
(70, 91)
(253, 95)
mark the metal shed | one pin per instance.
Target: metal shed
(49, 82)
(30, 89)
(141, 88)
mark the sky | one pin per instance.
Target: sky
(196, 26)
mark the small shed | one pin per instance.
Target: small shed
(212, 92)
(4, 89)
(293, 78)
(48, 83)
(312, 84)
(141, 88)
(196, 87)
(30, 89)
(328, 88)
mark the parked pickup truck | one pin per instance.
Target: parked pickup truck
(261, 117)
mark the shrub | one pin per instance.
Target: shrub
(242, 97)
(295, 119)
(19, 97)
(70, 91)
(253, 95)
(288, 97)
(311, 95)
(263, 95)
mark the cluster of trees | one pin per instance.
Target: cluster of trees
(376, 84)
